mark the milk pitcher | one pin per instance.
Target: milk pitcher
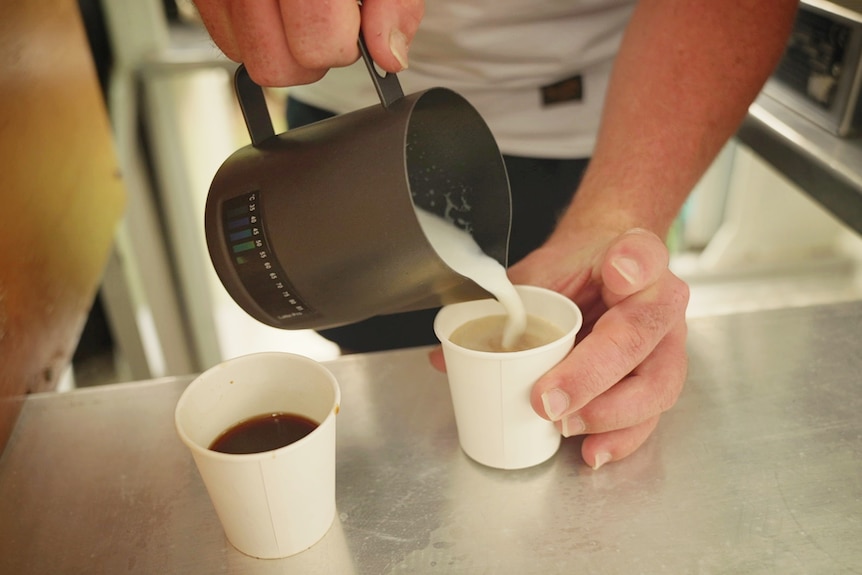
(316, 227)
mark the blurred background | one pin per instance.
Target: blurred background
(747, 239)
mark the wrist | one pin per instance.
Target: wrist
(613, 209)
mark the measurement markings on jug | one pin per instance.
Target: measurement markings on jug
(254, 261)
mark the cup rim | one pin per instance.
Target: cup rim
(199, 449)
(502, 355)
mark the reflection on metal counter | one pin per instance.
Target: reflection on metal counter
(757, 469)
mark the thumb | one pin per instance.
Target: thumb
(435, 356)
(634, 261)
(388, 27)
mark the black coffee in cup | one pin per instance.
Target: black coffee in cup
(263, 433)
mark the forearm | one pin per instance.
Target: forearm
(683, 80)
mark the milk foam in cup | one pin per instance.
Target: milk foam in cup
(274, 503)
(496, 423)
(491, 389)
(460, 251)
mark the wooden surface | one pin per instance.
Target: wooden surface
(60, 195)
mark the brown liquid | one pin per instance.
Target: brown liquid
(263, 433)
(486, 334)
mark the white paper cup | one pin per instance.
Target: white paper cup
(491, 390)
(274, 503)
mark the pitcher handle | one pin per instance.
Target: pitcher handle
(388, 87)
(253, 105)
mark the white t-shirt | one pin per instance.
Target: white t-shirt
(505, 57)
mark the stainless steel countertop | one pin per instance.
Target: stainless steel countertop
(758, 469)
(826, 167)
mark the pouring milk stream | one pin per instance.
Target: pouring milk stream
(461, 253)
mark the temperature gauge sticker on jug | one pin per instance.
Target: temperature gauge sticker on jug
(245, 234)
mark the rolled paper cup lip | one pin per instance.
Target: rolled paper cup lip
(445, 341)
(203, 450)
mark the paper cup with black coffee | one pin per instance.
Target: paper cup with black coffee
(490, 388)
(261, 429)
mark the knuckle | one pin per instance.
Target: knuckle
(278, 78)
(681, 293)
(264, 75)
(322, 58)
(666, 397)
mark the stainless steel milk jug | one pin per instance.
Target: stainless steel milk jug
(316, 227)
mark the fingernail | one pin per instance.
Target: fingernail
(573, 425)
(628, 268)
(555, 402)
(398, 45)
(601, 458)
